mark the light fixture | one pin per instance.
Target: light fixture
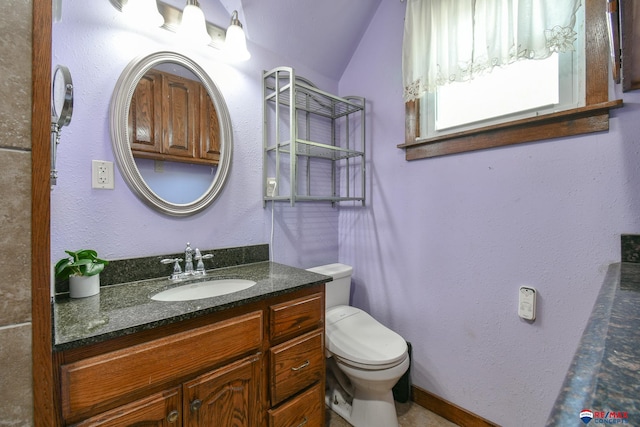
(193, 26)
(143, 11)
(235, 45)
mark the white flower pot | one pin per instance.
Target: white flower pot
(84, 286)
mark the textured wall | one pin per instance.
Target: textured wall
(445, 243)
(96, 43)
(15, 212)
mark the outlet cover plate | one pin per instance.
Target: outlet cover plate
(271, 187)
(102, 174)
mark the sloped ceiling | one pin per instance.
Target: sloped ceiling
(321, 34)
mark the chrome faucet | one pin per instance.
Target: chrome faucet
(189, 256)
(188, 260)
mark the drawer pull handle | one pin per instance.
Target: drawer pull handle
(304, 422)
(304, 365)
(195, 405)
(173, 416)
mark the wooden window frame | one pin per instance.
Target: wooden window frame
(627, 11)
(593, 117)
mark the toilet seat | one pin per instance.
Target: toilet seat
(368, 367)
(357, 339)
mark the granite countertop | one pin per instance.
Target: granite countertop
(127, 308)
(604, 376)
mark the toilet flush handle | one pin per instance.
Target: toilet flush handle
(304, 365)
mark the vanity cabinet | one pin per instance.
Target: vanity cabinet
(297, 362)
(254, 365)
(173, 118)
(226, 396)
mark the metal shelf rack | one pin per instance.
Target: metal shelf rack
(326, 161)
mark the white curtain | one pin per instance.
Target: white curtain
(455, 40)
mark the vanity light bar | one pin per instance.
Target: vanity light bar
(172, 18)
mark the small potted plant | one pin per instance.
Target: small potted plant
(82, 268)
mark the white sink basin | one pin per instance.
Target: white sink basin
(200, 290)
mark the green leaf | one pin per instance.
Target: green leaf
(93, 269)
(84, 262)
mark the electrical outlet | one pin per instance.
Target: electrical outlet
(272, 186)
(102, 174)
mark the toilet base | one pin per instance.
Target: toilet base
(372, 404)
(373, 410)
(336, 398)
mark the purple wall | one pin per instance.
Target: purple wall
(444, 244)
(96, 43)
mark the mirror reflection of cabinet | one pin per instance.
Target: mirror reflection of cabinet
(172, 118)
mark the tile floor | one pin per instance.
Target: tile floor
(409, 415)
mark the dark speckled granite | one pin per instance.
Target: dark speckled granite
(127, 308)
(630, 247)
(134, 269)
(605, 372)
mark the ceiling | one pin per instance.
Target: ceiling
(321, 34)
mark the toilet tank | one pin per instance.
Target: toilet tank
(338, 291)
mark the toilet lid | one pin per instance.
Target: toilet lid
(354, 335)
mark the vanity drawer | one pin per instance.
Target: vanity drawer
(299, 315)
(296, 364)
(99, 382)
(306, 410)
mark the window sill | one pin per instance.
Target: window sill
(592, 118)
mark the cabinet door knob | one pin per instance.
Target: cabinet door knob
(304, 422)
(173, 416)
(304, 365)
(195, 405)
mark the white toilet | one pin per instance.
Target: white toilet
(371, 356)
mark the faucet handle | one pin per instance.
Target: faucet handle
(177, 271)
(199, 257)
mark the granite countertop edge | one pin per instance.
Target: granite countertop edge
(126, 308)
(599, 373)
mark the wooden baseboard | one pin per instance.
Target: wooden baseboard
(448, 410)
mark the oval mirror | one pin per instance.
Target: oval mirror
(171, 133)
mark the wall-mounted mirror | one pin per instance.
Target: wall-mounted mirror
(171, 133)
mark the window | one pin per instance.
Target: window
(584, 108)
(521, 89)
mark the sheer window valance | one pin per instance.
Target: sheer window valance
(453, 40)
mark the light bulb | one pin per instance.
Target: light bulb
(235, 44)
(193, 26)
(143, 11)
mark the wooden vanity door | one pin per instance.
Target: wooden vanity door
(227, 397)
(180, 113)
(158, 410)
(145, 114)
(209, 129)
